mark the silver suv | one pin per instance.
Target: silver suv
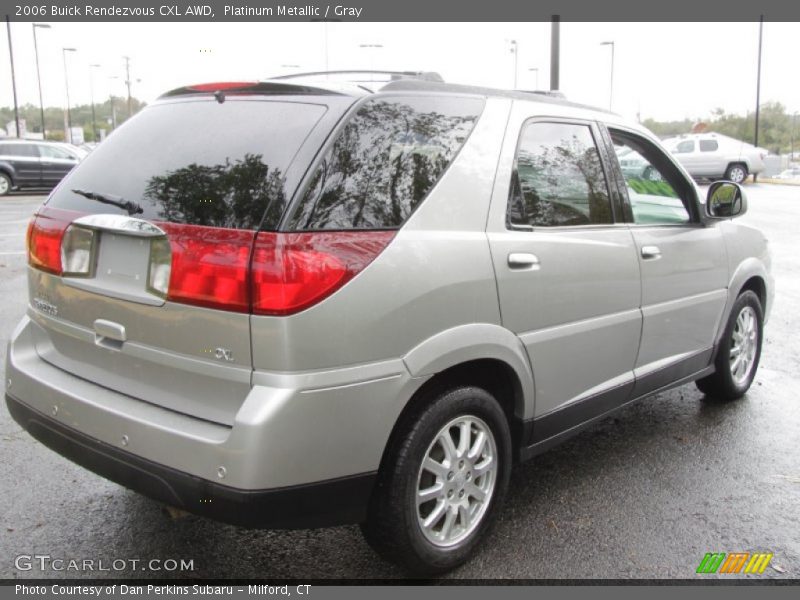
(281, 305)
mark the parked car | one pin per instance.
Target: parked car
(717, 156)
(370, 310)
(790, 173)
(29, 164)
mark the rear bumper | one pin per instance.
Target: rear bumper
(321, 504)
(302, 451)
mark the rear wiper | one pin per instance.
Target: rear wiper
(131, 207)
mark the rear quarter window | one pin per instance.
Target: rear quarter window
(709, 145)
(384, 162)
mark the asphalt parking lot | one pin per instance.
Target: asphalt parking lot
(643, 494)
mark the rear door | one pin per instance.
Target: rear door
(55, 163)
(686, 153)
(155, 301)
(24, 159)
(683, 265)
(567, 273)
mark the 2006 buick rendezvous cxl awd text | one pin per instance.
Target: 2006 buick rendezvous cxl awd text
(284, 304)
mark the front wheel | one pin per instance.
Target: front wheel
(442, 482)
(739, 351)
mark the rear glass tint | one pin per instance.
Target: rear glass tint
(197, 163)
(384, 162)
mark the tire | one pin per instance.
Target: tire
(731, 380)
(5, 184)
(394, 526)
(736, 172)
(650, 174)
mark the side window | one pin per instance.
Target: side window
(53, 152)
(709, 145)
(651, 182)
(558, 178)
(385, 161)
(684, 147)
(26, 150)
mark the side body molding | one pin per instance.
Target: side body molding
(475, 342)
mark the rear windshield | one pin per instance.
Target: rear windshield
(384, 162)
(197, 163)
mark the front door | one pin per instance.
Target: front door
(683, 264)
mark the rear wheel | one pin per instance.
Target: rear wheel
(5, 184)
(442, 482)
(736, 172)
(739, 351)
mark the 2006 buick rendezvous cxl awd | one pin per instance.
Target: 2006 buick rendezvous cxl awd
(288, 305)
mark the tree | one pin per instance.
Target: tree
(775, 126)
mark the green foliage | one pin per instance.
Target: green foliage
(81, 116)
(777, 128)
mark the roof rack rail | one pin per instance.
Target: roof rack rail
(394, 75)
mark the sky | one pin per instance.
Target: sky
(664, 71)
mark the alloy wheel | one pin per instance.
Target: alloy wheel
(456, 481)
(744, 344)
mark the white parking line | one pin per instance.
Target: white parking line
(11, 253)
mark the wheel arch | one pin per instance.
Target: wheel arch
(8, 170)
(483, 355)
(751, 275)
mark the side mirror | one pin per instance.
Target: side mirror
(725, 200)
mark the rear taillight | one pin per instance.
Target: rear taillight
(45, 234)
(209, 266)
(292, 271)
(226, 269)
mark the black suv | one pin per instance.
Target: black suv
(25, 163)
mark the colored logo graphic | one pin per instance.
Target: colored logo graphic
(734, 562)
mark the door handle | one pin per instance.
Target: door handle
(651, 252)
(523, 261)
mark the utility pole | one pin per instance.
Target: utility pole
(38, 74)
(555, 51)
(758, 84)
(91, 95)
(128, 83)
(13, 76)
(515, 52)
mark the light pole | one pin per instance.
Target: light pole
(91, 95)
(13, 76)
(128, 83)
(758, 85)
(794, 122)
(36, 26)
(372, 48)
(611, 84)
(515, 52)
(68, 137)
(111, 102)
(535, 69)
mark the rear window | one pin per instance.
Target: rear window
(384, 162)
(28, 150)
(197, 163)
